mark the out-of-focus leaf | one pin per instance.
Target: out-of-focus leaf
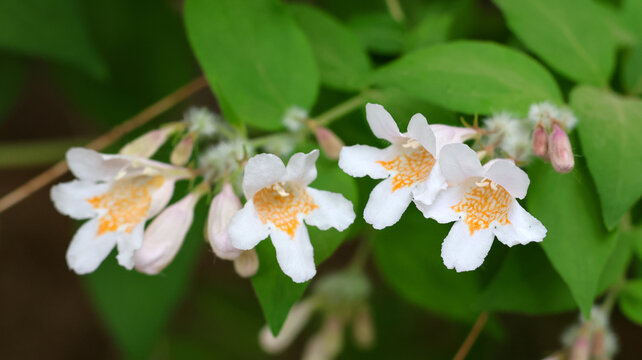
(255, 53)
(577, 245)
(631, 10)
(471, 77)
(12, 72)
(408, 256)
(618, 261)
(136, 307)
(147, 54)
(275, 290)
(614, 19)
(378, 32)
(569, 35)
(630, 301)
(636, 241)
(440, 21)
(343, 62)
(632, 71)
(526, 283)
(609, 129)
(55, 30)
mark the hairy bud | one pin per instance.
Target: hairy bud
(330, 143)
(560, 151)
(182, 152)
(540, 138)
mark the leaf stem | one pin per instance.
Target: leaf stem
(611, 296)
(340, 110)
(396, 11)
(472, 337)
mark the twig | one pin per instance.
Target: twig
(103, 141)
(472, 337)
(396, 11)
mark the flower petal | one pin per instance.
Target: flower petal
(87, 251)
(161, 197)
(385, 207)
(128, 244)
(262, 170)
(418, 129)
(445, 134)
(70, 198)
(427, 191)
(523, 227)
(463, 251)
(361, 160)
(90, 165)
(381, 123)
(459, 162)
(295, 256)
(334, 210)
(441, 208)
(509, 176)
(302, 167)
(246, 228)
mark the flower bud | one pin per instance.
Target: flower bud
(164, 236)
(560, 151)
(147, 144)
(294, 323)
(327, 343)
(182, 152)
(247, 263)
(222, 209)
(539, 141)
(363, 328)
(581, 347)
(329, 141)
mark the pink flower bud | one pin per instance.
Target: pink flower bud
(329, 141)
(539, 141)
(164, 236)
(363, 328)
(247, 263)
(560, 151)
(294, 323)
(147, 144)
(581, 347)
(182, 152)
(222, 209)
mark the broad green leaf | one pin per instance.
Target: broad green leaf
(631, 75)
(408, 256)
(12, 72)
(613, 17)
(577, 244)
(571, 35)
(135, 307)
(343, 62)
(471, 77)
(147, 53)
(609, 130)
(378, 32)
(257, 56)
(440, 21)
(630, 301)
(55, 30)
(618, 262)
(631, 10)
(527, 283)
(275, 290)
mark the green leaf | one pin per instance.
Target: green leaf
(441, 21)
(471, 77)
(378, 32)
(614, 19)
(631, 75)
(55, 30)
(12, 73)
(631, 10)
(618, 262)
(527, 283)
(609, 129)
(571, 36)
(343, 62)
(577, 244)
(275, 290)
(257, 56)
(408, 256)
(630, 301)
(135, 306)
(161, 62)
(636, 240)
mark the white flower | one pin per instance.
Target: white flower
(409, 166)
(118, 193)
(278, 201)
(202, 121)
(481, 201)
(165, 235)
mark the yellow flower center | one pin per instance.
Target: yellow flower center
(127, 203)
(412, 166)
(281, 204)
(485, 203)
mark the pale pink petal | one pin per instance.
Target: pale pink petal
(445, 134)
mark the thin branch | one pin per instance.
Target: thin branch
(396, 11)
(103, 141)
(472, 337)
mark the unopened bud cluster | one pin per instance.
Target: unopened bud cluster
(550, 138)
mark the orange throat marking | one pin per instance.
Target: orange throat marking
(281, 204)
(409, 168)
(127, 203)
(483, 205)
